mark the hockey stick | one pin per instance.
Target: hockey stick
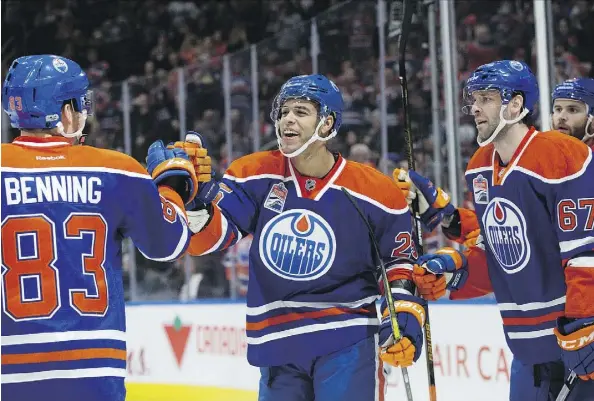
(569, 384)
(387, 291)
(403, 31)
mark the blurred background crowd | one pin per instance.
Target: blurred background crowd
(151, 44)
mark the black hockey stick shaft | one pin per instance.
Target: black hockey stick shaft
(387, 290)
(569, 384)
(405, 30)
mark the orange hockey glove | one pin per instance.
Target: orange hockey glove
(207, 187)
(410, 314)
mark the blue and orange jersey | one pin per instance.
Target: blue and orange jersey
(478, 283)
(65, 211)
(536, 215)
(313, 278)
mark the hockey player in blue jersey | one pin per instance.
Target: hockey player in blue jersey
(533, 194)
(65, 211)
(312, 324)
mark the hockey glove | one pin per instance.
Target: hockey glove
(410, 313)
(437, 272)
(208, 187)
(172, 167)
(434, 203)
(576, 339)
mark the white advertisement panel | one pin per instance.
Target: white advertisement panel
(202, 346)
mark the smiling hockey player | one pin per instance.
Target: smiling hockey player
(534, 198)
(311, 321)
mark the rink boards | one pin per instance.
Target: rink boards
(197, 352)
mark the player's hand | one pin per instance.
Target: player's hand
(410, 314)
(430, 286)
(434, 203)
(208, 188)
(172, 167)
(576, 339)
(434, 273)
(474, 238)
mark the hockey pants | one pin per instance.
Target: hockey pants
(352, 374)
(543, 382)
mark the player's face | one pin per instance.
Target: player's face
(486, 106)
(298, 122)
(570, 117)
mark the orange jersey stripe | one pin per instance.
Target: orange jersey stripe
(169, 194)
(209, 237)
(580, 297)
(558, 147)
(269, 162)
(70, 355)
(24, 156)
(399, 274)
(292, 317)
(530, 321)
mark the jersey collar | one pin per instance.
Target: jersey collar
(37, 142)
(311, 187)
(500, 172)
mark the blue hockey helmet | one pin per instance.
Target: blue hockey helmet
(315, 88)
(582, 90)
(36, 88)
(509, 78)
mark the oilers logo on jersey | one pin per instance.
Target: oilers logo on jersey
(298, 245)
(505, 230)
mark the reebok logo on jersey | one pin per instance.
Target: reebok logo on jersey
(506, 234)
(49, 158)
(298, 245)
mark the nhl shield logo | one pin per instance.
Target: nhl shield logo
(480, 188)
(298, 245)
(310, 184)
(507, 235)
(276, 198)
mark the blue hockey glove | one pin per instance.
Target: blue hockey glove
(434, 203)
(208, 187)
(410, 313)
(172, 167)
(576, 339)
(434, 273)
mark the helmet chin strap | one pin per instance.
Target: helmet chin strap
(502, 123)
(76, 134)
(314, 137)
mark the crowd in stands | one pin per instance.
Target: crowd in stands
(145, 42)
